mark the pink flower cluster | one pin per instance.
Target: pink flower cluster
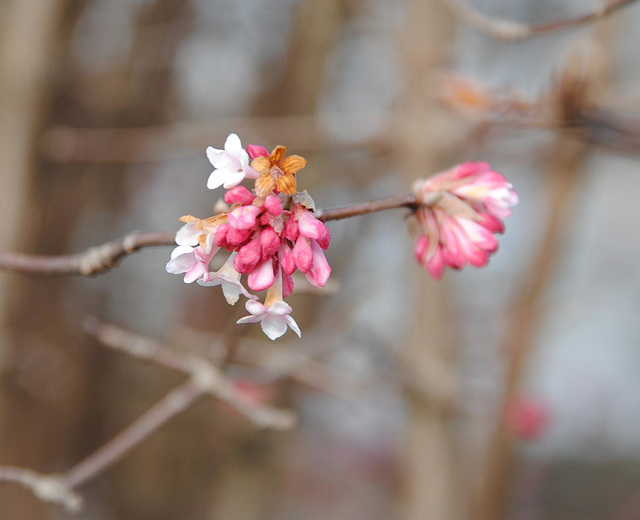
(461, 211)
(268, 236)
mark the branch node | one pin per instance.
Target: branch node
(130, 243)
(508, 30)
(52, 488)
(206, 377)
(97, 260)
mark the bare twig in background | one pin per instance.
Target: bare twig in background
(153, 144)
(202, 371)
(176, 401)
(205, 379)
(515, 31)
(48, 488)
(101, 259)
(279, 362)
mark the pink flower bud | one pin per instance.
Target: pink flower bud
(302, 254)
(255, 150)
(470, 168)
(264, 219)
(320, 270)
(324, 240)
(310, 226)
(493, 224)
(248, 257)
(287, 284)
(422, 245)
(273, 205)
(221, 235)
(261, 278)
(435, 265)
(291, 230)
(527, 419)
(285, 257)
(239, 195)
(236, 237)
(269, 242)
(244, 217)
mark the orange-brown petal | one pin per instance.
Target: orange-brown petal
(293, 164)
(287, 184)
(265, 185)
(278, 153)
(261, 164)
(216, 219)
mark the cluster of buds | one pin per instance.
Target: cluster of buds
(459, 214)
(269, 233)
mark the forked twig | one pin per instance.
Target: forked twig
(204, 374)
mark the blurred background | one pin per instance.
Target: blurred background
(506, 392)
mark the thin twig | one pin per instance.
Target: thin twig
(516, 31)
(354, 210)
(176, 401)
(101, 259)
(48, 488)
(279, 362)
(208, 376)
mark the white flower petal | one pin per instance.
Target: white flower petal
(216, 157)
(211, 282)
(293, 325)
(188, 235)
(256, 308)
(215, 180)
(232, 179)
(197, 271)
(181, 250)
(233, 145)
(231, 292)
(280, 308)
(273, 326)
(249, 319)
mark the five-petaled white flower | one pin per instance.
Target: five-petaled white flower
(273, 319)
(231, 164)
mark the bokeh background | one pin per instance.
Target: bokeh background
(506, 392)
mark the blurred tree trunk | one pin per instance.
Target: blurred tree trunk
(29, 36)
(562, 180)
(430, 491)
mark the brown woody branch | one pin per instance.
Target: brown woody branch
(516, 31)
(93, 261)
(101, 259)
